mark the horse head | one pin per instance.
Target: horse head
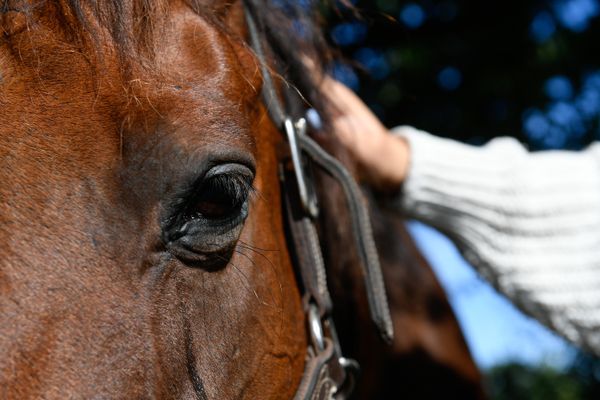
(141, 240)
(142, 245)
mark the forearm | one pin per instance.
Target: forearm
(530, 223)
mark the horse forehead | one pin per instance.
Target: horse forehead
(198, 51)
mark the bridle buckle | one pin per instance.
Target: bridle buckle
(308, 199)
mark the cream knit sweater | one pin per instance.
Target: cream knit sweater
(528, 222)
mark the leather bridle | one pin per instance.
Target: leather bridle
(327, 374)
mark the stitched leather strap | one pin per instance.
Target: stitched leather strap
(362, 232)
(361, 226)
(306, 248)
(327, 372)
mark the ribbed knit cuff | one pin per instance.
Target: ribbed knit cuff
(529, 223)
(444, 170)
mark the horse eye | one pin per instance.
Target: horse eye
(204, 228)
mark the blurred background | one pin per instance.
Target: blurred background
(474, 70)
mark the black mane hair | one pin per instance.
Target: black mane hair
(294, 32)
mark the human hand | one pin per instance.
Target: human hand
(383, 158)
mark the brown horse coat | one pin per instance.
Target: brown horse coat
(95, 149)
(112, 283)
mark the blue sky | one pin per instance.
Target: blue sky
(495, 330)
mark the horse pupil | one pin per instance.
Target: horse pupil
(215, 204)
(213, 209)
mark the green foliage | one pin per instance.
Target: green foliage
(586, 369)
(504, 51)
(512, 381)
(521, 382)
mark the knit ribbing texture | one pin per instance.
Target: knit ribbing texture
(528, 222)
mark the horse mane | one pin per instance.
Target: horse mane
(291, 28)
(307, 40)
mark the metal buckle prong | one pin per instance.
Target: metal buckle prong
(292, 131)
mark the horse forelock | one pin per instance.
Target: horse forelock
(133, 26)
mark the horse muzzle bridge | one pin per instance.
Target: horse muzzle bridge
(327, 374)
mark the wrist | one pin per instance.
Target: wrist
(395, 160)
(388, 167)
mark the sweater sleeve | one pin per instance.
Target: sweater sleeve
(528, 222)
